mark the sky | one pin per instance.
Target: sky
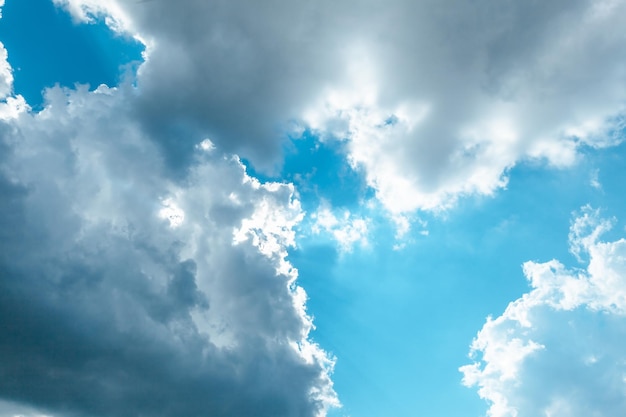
(308, 209)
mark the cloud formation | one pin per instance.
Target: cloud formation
(127, 290)
(153, 267)
(557, 350)
(435, 100)
(347, 230)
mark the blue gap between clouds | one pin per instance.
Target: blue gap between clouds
(400, 322)
(68, 54)
(319, 171)
(411, 315)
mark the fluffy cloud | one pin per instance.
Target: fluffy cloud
(472, 89)
(558, 350)
(147, 272)
(347, 230)
(436, 100)
(130, 289)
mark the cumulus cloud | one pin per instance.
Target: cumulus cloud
(558, 350)
(473, 89)
(436, 100)
(127, 290)
(148, 272)
(347, 229)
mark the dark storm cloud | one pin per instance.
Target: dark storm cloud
(108, 307)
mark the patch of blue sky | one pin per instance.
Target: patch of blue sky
(46, 48)
(400, 322)
(319, 171)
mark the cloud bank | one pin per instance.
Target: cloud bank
(153, 267)
(558, 351)
(127, 290)
(436, 100)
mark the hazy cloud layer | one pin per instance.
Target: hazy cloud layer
(437, 100)
(558, 350)
(125, 292)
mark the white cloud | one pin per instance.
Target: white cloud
(8, 409)
(172, 212)
(437, 108)
(557, 350)
(129, 289)
(6, 73)
(347, 230)
(481, 100)
(594, 180)
(114, 15)
(10, 105)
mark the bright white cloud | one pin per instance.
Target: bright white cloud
(439, 107)
(347, 230)
(87, 11)
(6, 73)
(10, 105)
(172, 213)
(558, 350)
(129, 290)
(485, 97)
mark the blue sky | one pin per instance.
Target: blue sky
(448, 194)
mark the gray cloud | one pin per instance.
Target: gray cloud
(123, 293)
(472, 87)
(127, 291)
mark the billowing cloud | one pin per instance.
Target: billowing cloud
(436, 100)
(130, 290)
(558, 350)
(145, 271)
